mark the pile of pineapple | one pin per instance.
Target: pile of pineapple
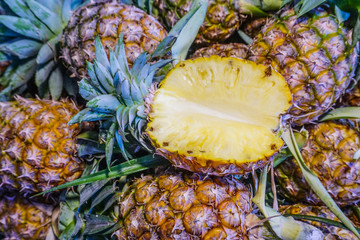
(154, 119)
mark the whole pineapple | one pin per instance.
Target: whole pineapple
(107, 19)
(313, 53)
(222, 18)
(330, 232)
(329, 153)
(182, 205)
(37, 147)
(24, 219)
(237, 50)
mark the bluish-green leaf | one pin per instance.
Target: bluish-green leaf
(93, 78)
(104, 103)
(131, 116)
(114, 64)
(87, 90)
(56, 83)
(119, 140)
(48, 50)
(42, 73)
(22, 48)
(104, 76)
(92, 116)
(102, 195)
(121, 56)
(19, 8)
(308, 5)
(144, 72)
(49, 18)
(124, 118)
(125, 93)
(24, 27)
(138, 65)
(101, 55)
(66, 11)
(110, 139)
(78, 116)
(136, 93)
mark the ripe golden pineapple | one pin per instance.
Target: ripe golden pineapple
(237, 50)
(24, 219)
(181, 205)
(222, 18)
(313, 53)
(329, 153)
(218, 115)
(330, 232)
(37, 147)
(108, 19)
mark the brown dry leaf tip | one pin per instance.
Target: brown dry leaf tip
(107, 19)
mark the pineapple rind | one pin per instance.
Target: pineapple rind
(24, 219)
(181, 205)
(329, 154)
(237, 50)
(315, 56)
(217, 115)
(108, 19)
(37, 147)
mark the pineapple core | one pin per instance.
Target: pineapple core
(219, 109)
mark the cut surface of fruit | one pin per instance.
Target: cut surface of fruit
(219, 111)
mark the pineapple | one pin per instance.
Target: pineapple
(37, 147)
(108, 19)
(329, 153)
(315, 56)
(253, 26)
(24, 219)
(352, 97)
(182, 205)
(237, 50)
(330, 232)
(210, 115)
(223, 18)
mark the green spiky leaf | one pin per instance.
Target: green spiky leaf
(342, 113)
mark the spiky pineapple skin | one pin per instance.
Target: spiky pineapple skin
(237, 50)
(37, 147)
(221, 21)
(24, 219)
(329, 154)
(181, 205)
(253, 26)
(108, 19)
(330, 232)
(315, 56)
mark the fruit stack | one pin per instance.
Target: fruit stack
(118, 120)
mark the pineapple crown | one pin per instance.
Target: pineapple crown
(30, 31)
(116, 94)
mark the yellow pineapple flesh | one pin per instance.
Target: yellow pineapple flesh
(37, 147)
(218, 115)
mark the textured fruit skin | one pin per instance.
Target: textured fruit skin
(314, 55)
(221, 21)
(181, 205)
(237, 50)
(24, 219)
(37, 147)
(108, 19)
(253, 26)
(329, 154)
(352, 98)
(330, 232)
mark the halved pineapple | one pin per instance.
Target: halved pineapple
(218, 115)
